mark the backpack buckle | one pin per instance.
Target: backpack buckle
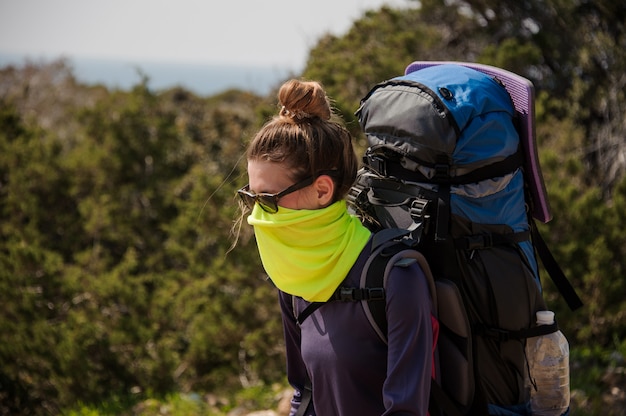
(479, 241)
(352, 294)
(442, 170)
(377, 163)
(418, 209)
(353, 195)
(346, 294)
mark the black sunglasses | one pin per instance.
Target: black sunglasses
(269, 202)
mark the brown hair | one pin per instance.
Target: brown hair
(306, 137)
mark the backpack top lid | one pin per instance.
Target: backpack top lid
(521, 92)
(441, 122)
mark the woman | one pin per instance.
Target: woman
(300, 166)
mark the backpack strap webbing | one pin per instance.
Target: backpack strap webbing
(479, 241)
(503, 335)
(306, 398)
(344, 294)
(306, 394)
(390, 164)
(308, 311)
(554, 270)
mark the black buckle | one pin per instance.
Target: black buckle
(442, 170)
(352, 294)
(346, 294)
(475, 242)
(418, 208)
(377, 163)
(353, 195)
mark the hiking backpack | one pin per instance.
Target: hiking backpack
(452, 171)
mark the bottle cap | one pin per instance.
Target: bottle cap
(545, 318)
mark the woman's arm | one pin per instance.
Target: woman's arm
(410, 341)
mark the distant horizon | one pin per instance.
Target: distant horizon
(205, 79)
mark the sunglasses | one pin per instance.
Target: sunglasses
(269, 202)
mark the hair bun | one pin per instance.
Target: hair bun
(303, 100)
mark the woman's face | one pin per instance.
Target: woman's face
(272, 178)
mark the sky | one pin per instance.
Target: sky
(272, 33)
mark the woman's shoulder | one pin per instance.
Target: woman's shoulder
(408, 284)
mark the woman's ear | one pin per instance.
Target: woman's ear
(325, 189)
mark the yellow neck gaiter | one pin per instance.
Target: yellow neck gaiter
(308, 253)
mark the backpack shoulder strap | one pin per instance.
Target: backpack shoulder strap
(380, 240)
(375, 274)
(391, 254)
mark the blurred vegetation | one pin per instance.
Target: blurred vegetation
(118, 291)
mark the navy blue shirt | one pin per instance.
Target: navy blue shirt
(353, 372)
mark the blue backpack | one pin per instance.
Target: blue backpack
(452, 171)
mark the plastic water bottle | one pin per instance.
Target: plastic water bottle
(548, 359)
